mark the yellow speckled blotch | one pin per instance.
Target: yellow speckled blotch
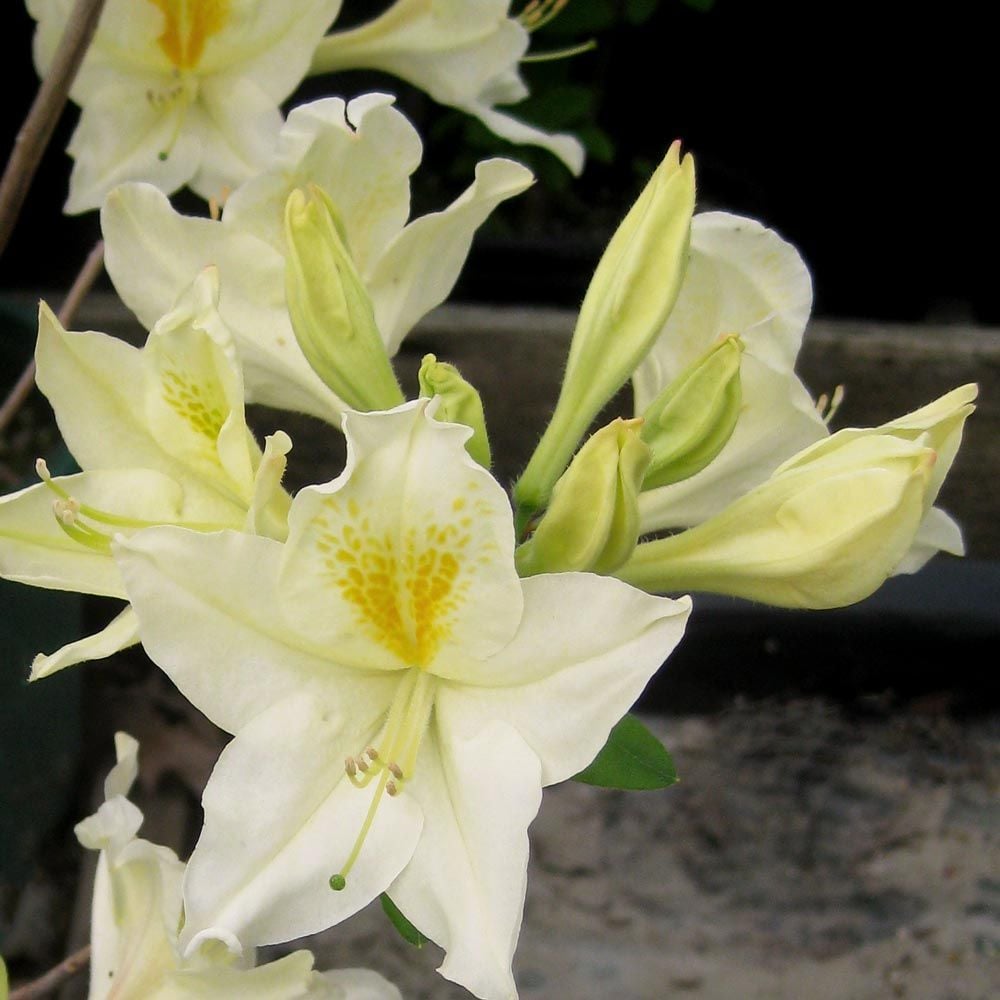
(187, 400)
(189, 24)
(405, 592)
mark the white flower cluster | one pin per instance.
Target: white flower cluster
(405, 660)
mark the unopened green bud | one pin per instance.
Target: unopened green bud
(629, 299)
(689, 423)
(460, 403)
(330, 310)
(593, 520)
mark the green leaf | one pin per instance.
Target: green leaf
(633, 759)
(407, 931)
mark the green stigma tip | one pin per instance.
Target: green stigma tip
(337, 882)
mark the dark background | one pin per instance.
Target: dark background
(859, 132)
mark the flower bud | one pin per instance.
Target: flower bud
(329, 306)
(691, 421)
(593, 520)
(822, 532)
(459, 403)
(629, 299)
(941, 424)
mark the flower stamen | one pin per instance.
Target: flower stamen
(69, 511)
(537, 13)
(407, 721)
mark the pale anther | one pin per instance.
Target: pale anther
(66, 510)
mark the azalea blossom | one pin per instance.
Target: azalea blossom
(361, 155)
(463, 54)
(741, 279)
(399, 697)
(161, 436)
(179, 92)
(746, 280)
(137, 910)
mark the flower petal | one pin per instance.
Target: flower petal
(271, 44)
(120, 633)
(144, 882)
(288, 978)
(586, 643)
(235, 125)
(280, 819)
(354, 984)
(153, 253)
(422, 264)
(406, 557)
(566, 147)
(938, 532)
(121, 136)
(118, 406)
(360, 153)
(741, 279)
(38, 552)
(777, 419)
(479, 787)
(212, 599)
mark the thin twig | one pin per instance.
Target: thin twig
(45, 111)
(46, 983)
(92, 267)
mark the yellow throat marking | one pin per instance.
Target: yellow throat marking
(192, 403)
(405, 591)
(189, 25)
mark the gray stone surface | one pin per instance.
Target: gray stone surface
(804, 854)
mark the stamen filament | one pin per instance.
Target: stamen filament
(88, 537)
(106, 517)
(183, 95)
(338, 881)
(555, 54)
(538, 13)
(404, 730)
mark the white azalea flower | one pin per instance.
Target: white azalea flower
(463, 54)
(391, 631)
(741, 279)
(179, 92)
(361, 154)
(744, 279)
(137, 910)
(161, 436)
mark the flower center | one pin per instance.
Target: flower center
(189, 25)
(392, 759)
(404, 593)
